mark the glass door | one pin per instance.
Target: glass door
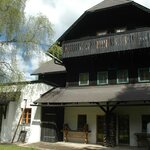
(123, 129)
(100, 129)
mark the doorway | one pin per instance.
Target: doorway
(123, 129)
(100, 129)
(52, 124)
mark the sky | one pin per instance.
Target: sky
(62, 14)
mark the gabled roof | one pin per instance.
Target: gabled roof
(108, 3)
(49, 67)
(104, 5)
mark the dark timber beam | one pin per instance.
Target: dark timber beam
(114, 107)
(102, 108)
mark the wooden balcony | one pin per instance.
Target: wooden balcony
(134, 39)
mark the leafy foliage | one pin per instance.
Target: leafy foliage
(56, 51)
(20, 35)
(11, 16)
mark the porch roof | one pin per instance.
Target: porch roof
(97, 94)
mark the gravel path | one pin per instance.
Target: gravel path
(74, 146)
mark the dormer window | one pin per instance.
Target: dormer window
(119, 30)
(100, 33)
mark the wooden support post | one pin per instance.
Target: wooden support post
(110, 127)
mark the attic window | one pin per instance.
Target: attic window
(100, 33)
(119, 30)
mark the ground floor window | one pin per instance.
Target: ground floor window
(123, 129)
(26, 118)
(145, 121)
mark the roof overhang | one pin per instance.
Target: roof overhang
(50, 67)
(127, 94)
(102, 7)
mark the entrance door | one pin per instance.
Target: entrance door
(100, 129)
(123, 129)
(49, 129)
(52, 124)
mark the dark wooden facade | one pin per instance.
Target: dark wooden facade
(135, 39)
(84, 51)
(111, 62)
(54, 79)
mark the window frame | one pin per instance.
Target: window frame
(127, 79)
(120, 30)
(98, 81)
(80, 84)
(26, 116)
(102, 33)
(139, 80)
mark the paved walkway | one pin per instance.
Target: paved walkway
(74, 146)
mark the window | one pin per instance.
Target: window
(84, 79)
(81, 122)
(119, 30)
(102, 77)
(122, 76)
(144, 74)
(100, 33)
(26, 118)
(145, 121)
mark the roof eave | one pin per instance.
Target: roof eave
(60, 39)
(57, 72)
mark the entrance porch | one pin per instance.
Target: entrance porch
(114, 114)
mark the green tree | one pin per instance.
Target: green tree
(20, 34)
(56, 51)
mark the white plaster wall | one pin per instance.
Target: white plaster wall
(71, 114)
(135, 114)
(31, 92)
(35, 128)
(6, 130)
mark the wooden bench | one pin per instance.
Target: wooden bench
(75, 134)
(143, 139)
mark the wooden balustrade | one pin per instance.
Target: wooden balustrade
(110, 43)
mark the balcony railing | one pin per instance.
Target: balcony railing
(110, 43)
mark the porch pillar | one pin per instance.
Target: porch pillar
(110, 130)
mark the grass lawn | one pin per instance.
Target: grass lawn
(13, 147)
